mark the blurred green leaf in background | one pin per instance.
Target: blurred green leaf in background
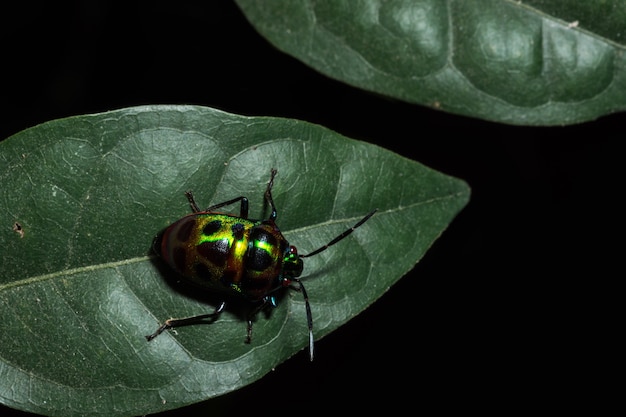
(532, 62)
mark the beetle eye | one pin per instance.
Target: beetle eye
(292, 264)
(291, 255)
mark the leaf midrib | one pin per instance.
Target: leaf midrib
(72, 271)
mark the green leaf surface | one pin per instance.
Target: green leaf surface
(531, 62)
(83, 197)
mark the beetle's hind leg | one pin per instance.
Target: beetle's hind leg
(202, 318)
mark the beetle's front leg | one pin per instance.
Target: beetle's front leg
(268, 300)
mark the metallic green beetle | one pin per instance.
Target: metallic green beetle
(236, 256)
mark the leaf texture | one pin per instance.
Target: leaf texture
(79, 287)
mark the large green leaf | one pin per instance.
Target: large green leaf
(79, 288)
(530, 62)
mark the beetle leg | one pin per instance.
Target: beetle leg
(309, 316)
(268, 194)
(192, 202)
(268, 300)
(243, 208)
(188, 320)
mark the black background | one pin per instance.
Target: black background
(497, 315)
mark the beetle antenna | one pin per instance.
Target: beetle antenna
(341, 236)
(309, 317)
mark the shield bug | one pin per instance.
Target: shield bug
(237, 257)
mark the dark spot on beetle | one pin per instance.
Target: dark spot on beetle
(259, 282)
(17, 228)
(203, 272)
(228, 277)
(212, 227)
(238, 230)
(258, 259)
(215, 252)
(185, 230)
(179, 258)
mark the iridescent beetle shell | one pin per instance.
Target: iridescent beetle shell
(240, 257)
(231, 254)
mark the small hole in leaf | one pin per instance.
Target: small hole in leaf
(17, 228)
